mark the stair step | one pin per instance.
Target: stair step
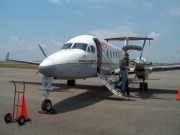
(110, 83)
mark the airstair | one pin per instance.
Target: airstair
(110, 81)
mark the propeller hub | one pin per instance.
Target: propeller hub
(139, 63)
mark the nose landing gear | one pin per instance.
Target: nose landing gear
(143, 85)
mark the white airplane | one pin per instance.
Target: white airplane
(82, 57)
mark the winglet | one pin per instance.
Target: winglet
(7, 56)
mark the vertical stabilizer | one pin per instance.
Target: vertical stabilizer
(7, 56)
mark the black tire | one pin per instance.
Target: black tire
(69, 82)
(145, 86)
(7, 117)
(21, 120)
(73, 82)
(46, 105)
(141, 86)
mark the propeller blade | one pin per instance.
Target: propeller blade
(42, 50)
(143, 47)
(37, 72)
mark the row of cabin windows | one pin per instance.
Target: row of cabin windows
(113, 54)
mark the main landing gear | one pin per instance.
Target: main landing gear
(143, 85)
(71, 82)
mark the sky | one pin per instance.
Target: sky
(26, 23)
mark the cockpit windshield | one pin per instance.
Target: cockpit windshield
(81, 46)
(66, 46)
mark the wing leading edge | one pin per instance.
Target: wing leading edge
(21, 61)
(164, 68)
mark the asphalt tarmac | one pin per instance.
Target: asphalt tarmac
(90, 108)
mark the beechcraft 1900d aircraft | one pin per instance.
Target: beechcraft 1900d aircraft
(83, 57)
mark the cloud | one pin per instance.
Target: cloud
(154, 35)
(13, 38)
(55, 42)
(175, 12)
(116, 32)
(78, 13)
(57, 1)
(21, 42)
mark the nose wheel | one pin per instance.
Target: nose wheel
(46, 105)
(143, 86)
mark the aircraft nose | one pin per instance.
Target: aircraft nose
(47, 68)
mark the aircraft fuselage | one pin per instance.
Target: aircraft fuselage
(81, 57)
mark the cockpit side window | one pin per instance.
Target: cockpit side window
(88, 49)
(66, 46)
(81, 46)
(92, 49)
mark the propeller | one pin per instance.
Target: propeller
(42, 50)
(43, 54)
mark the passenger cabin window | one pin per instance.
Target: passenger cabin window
(66, 46)
(81, 46)
(107, 53)
(92, 49)
(110, 54)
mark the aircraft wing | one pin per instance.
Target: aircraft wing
(129, 72)
(154, 69)
(22, 61)
(164, 68)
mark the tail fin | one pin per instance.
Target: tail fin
(7, 56)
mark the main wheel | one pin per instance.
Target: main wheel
(141, 86)
(73, 82)
(69, 82)
(7, 117)
(21, 120)
(46, 105)
(145, 86)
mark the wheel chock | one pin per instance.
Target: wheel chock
(52, 111)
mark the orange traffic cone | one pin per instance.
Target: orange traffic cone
(23, 110)
(178, 97)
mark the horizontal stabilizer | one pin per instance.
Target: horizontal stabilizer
(127, 38)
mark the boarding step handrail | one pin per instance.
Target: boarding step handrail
(108, 83)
